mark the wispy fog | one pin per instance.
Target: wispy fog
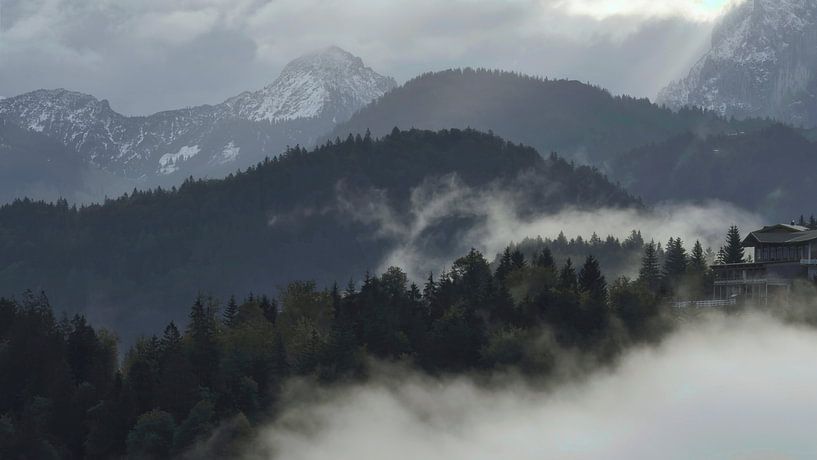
(727, 388)
(493, 218)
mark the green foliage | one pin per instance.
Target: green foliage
(61, 393)
(732, 250)
(152, 437)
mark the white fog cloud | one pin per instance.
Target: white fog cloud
(494, 219)
(730, 388)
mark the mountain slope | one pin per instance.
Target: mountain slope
(33, 164)
(772, 171)
(331, 84)
(577, 120)
(763, 62)
(312, 93)
(325, 215)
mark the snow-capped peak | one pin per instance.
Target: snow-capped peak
(331, 83)
(762, 62)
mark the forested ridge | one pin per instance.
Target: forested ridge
(132, 262)
(580, 121)
(201, 388)
(770, 171)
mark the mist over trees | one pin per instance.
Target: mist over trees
(131, 262)
(63, 393)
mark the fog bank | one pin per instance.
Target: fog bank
(737, 387)
(489, 219)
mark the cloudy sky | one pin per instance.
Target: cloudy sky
(150, 55)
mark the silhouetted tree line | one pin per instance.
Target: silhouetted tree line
(64, 395)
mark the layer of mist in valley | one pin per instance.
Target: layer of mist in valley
(489, 219)
(719, 387)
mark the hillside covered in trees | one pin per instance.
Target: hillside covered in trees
(131, 262)
(772, 171)
(201, 386)
(580, 121)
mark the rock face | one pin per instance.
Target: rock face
(330, 84)
(763, 62)
(312, 94)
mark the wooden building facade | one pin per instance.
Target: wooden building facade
(782, 254)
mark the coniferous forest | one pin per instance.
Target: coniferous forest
(213, 378)
(134, 261)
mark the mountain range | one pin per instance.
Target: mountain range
(580, 121)
(762, 63)
(311, 94)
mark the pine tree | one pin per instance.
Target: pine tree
(675, 263)
(733, 250)
(171, 339)
(505, 265)
(649, 274)
(697, 260)
(591, 280)
(230, 313)
(518, 260)
(545, 259)
(567, 277)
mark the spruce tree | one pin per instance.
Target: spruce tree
(675, 263)
(545, 259)
(518, 259)
(230, 313)
(697, 260)
(505, 265)
(567, 277)
(649, 274)
(733, 250)
(591, 280)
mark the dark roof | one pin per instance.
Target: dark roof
(781, 234)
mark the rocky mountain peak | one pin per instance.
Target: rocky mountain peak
(762, 62)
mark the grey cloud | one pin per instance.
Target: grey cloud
(148, 56)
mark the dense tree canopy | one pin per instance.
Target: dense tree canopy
(131, 262)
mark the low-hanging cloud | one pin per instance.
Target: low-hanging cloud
(728, 388)
(490, 218)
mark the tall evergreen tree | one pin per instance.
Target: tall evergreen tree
(649, 274)
(505, 265)
(733, 252)
(591, 280)
(675, 261)
(697, 259)
(230, 312)
(567, 277)
(545, 259)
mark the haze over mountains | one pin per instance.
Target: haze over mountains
(577, 120)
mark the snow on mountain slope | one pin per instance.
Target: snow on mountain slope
(330, 83)
(312, 93)
(763, 62)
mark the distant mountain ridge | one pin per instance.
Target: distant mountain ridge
(579, 121)
(762, 62)
(772, 171)
(306, 100)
